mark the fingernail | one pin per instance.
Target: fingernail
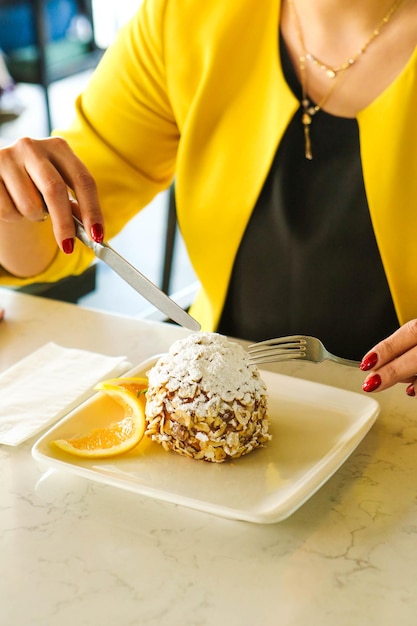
(372, 383)
(68, 245)
(410, 391)
(97, 232)
(369, 362)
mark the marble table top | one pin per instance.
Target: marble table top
(73, 551)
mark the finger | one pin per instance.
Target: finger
(27, 200)
(83, 186)
(50, 181)
(400, 369)
(392, 347)
(18, 195)
(410, 390)
(8, 211)
(54, 194)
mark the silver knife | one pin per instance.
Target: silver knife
(135, 279)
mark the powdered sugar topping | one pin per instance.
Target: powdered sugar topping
(218, 367)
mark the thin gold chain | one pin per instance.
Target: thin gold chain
(331, 71)
(309, 109)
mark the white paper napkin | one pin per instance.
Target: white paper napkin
(44, 386)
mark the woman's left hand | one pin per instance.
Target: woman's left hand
(393, 360)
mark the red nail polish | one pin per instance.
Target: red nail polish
(410, 391)
(68, 245)
(97, 232)
(372, 383)
(369, 362)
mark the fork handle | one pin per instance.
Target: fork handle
(342, 361)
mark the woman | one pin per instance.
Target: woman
(290, 129)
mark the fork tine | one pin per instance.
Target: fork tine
(286, 348)
(279, 349)
(292, 341)
(275, 357)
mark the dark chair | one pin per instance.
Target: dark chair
(170, 240)
(47, 40)
(69, 289)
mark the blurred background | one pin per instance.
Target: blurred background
(50, 49)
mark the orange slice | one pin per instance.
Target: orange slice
(119, 436)
(135, 384)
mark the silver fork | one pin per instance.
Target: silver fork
(293, 347)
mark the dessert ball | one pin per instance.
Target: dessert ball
(206, 401)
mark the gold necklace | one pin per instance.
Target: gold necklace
(331, 71)
(310, 109)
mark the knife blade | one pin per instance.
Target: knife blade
(136, 279)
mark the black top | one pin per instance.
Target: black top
(308, 262)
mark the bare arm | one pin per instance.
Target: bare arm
(26, 247)
(35, 173)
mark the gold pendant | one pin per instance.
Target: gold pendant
(307, 141)
(306, 120)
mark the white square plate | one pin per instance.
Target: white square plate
(314, 429)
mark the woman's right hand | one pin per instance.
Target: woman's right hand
(36, 174)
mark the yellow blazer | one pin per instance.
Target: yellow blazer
(196, 89)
